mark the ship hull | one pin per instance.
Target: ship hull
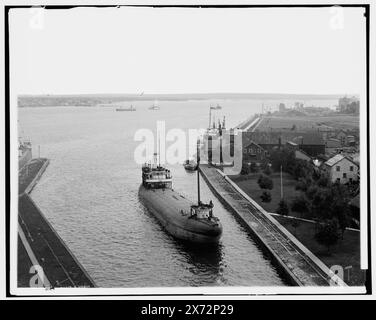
(166, 205)
(190, 167)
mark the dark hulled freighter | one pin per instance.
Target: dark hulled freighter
(182, 218)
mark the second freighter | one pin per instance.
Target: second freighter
(182, 218)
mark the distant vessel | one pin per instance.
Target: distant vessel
(24, 152)
(218, 107)
(213, 129)
(154, 106)
(131, 108)
(180, 217)
(190, 165)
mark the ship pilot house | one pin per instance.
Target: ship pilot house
(202, 211)
(154, 176)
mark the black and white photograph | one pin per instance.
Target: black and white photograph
(195, 149)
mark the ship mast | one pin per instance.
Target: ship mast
(198, 172)
(209, 117)
(159, 151)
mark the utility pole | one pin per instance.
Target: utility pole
(281, 185)
(39, 151)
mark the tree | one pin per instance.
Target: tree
(323, 181)
(284, 157)
(264, 164)
(266, 196)
(267, 171)
(265, 183)
(283, 208)
(321, 203)
(253, 167)
(302, 185)
(295, 223)
(300, 169)
(341, 211)
(311, 191)
(244, 171)
(300, 205)
(328, 233)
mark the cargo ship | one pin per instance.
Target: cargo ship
(131, 108)
(155, 106)
(218, 107)
(181, 217)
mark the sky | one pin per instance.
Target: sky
(180, 50)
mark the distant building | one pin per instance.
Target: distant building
(356, 158)
(253, 153)
(309, 142)
(333, 143)
(348, 105)
(351, 140)
(292, 145)
(282, 107)
(299, 106)
(299, 154)
(341, 136)
(341, 169)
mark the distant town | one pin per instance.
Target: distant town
(92, 100)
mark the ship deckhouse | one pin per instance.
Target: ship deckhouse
(155, 176)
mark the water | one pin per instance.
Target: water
(89, 194)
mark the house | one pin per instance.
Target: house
(341, 169)
(299, 154)
(351, 141)
(253, 153)
(333, 143)
(269, 141)
(309, 142)
(341, 136)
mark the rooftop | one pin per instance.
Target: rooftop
(337, 158)
(262, 137)
(332, 161)
(356, 201)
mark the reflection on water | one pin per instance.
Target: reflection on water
(204, 260)
(89, 193)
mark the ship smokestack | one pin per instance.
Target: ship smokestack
(155, 158)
